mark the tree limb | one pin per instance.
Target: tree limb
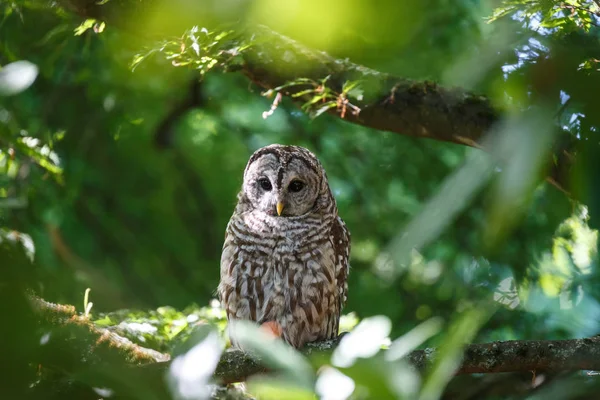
(237, 366)
(66, 328)
(389, 103)
(419, 109)
(523, 355)
(509, 356)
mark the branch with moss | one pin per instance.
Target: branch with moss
(509, 356)
(67, 328)
(316, 80)
(100, 344)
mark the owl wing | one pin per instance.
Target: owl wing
(340, 238)
(226, 289)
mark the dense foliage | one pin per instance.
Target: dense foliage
(441, 235)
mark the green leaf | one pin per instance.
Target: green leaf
(84, 26)
(17, 77)
(449, 355)
(329, 105)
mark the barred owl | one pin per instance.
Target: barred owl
(285, 258)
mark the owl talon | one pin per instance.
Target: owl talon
(272, 328)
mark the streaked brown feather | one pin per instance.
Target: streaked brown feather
(289, 272)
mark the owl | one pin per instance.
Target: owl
(284, 263)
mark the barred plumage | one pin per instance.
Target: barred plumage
(289, 270)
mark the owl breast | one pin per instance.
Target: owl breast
(283, 270)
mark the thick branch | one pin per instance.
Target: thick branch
(389, 103)
(510, 356)
(523, 355)
(236, 366)
(420, 109)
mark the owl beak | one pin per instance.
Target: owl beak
(279, 208)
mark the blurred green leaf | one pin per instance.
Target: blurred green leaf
(448, 357)
(17, 77)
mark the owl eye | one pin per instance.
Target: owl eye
(296, 186)
(265, 184)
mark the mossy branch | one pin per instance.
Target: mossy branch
(67, 328)
(95, 343)
(496, 357)
(277, 63)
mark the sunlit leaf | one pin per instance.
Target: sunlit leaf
(328, 106)
(334, 385)
(278, 387)
(403, 379)
(364, 341)
(190, 373)
(413, 339)
(449, 356)
(525, 147)
(17, 77)
(84, 26)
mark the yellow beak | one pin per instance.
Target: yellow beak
(279, 207)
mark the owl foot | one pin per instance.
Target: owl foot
(272, 328)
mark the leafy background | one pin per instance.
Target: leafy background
(100, 206)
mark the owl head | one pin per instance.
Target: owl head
(285, 181)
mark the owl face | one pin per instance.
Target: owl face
(283, 181)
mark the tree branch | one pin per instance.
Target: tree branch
(509, 356)
(94, 343)
(389, 103)
(523, 355)
(419, 109)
